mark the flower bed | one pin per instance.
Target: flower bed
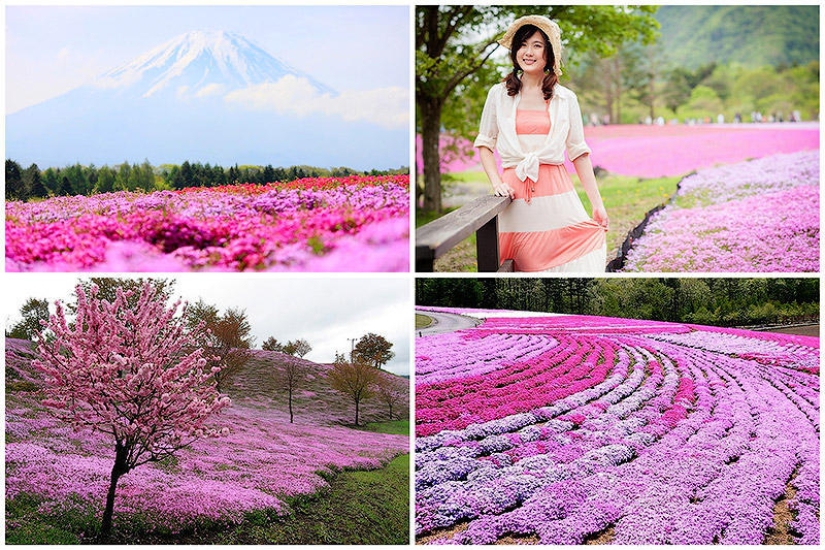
(649, 151)
(640, 432)
(262, 461)
(316, 224)
(759, 216)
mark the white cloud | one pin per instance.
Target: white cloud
(387, 107)
(210, 89)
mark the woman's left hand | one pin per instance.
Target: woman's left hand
(600, 216)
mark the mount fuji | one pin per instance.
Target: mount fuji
(212, 96)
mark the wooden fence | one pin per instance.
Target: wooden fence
(480, 216)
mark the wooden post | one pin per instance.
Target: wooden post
(487, 246)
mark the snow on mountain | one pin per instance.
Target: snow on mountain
(212, 96)
(201, 63)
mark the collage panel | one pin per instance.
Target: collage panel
(207, 138)
(206, 205)
(216, 151)
(626, 139)
(270, 411)
(640, 411)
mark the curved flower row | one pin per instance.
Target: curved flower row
(758, 216)
(321, 224)
(654, 433)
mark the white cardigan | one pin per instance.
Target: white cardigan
(498, 131)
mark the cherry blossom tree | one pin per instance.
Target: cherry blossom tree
(128, 368)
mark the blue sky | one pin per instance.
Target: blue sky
(52, 49)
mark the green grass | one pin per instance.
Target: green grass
(422, 321)
(626, 198)
(361, 507)
(397, 427)
(26, 523)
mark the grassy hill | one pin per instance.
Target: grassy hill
(314, 401)
(751, 35)
(266, 481)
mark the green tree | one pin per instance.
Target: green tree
(78, 179)
(14, 181)
(51, 179)
(105, 180)
(32, 312)
(124, 172)
(374, 350)
(455, 42)
(33, 183)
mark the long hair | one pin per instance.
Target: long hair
(512, 81)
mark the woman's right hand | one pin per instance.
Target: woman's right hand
(501, 189)
(600, 216)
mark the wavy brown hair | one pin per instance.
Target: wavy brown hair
(512, 81)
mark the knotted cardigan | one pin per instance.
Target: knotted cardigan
(497, 131)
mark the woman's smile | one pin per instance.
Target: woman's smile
(531, 54)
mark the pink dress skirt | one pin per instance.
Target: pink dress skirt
(546, 228)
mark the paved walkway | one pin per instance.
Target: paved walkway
(445, 322)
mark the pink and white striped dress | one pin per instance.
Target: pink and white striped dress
(546, 228)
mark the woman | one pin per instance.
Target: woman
(531, 119)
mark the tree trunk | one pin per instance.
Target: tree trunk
(617, 71)
(430, 109)
(120, 467)
(356, 412)
(290, 405)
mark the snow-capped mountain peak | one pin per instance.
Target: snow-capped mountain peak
(200, 63)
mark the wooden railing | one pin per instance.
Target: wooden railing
(480, 216)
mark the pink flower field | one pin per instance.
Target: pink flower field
(672, 150)
(757, 216)
(260, 462)
(576, 429)
(357, 223)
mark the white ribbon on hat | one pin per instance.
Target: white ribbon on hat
(528, 167)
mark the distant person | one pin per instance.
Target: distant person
(532, 120)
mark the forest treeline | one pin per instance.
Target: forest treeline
(760, 62)
(32, 182)
(707, 301)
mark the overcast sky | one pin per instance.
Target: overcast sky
(325, 310)
(53, 49)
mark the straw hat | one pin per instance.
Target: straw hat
(549, 27)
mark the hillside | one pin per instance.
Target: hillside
(315, 402)
(750, 35)
(254, 481)
(256, 386)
